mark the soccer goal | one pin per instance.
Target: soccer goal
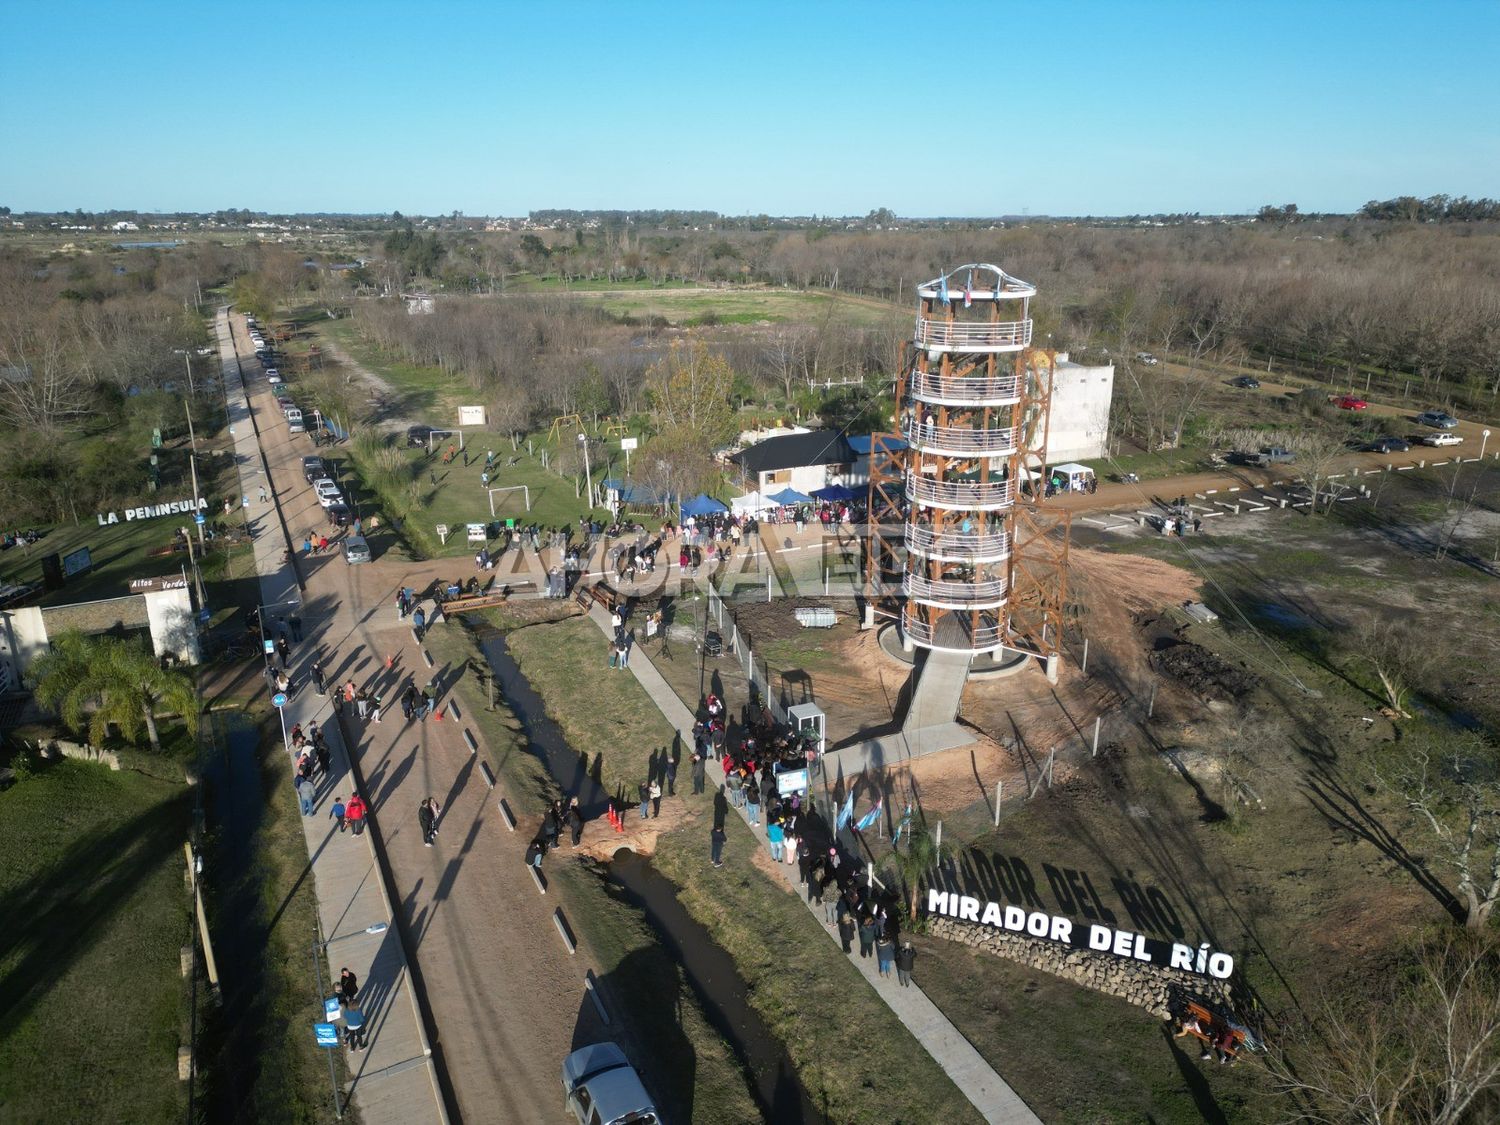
(521, 488)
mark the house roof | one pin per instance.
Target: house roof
(861, 443)
(792, 451)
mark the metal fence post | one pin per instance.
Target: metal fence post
(999, 787)
(1098, 719)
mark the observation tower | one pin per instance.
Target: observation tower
(962, 557)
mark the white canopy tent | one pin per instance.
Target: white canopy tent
(1077, 477)
(751, 504)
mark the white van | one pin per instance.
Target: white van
(294, 421)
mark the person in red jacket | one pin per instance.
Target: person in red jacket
(354, 813)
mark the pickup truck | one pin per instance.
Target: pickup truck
(1269, 455)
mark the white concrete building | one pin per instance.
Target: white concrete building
(1079, 428)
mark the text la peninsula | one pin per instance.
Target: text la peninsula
(1104, 939)
(151, 511)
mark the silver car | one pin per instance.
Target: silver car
(356, 550)
(602, 1088)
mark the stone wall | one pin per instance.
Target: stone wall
(52, 747)
(97, 617)
(1152, 987)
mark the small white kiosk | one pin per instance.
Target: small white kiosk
(1071, 477)
(805, 716)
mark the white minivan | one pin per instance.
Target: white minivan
(294, 421)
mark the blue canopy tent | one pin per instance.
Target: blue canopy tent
(789, 496)
(702, 505)
(834, 493)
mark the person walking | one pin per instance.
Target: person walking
(418, 623)
(406, 703)
(262, 494)
(655, 798)
(429, 694)
(317, 677)
(320, 751)
(284, 651)
(846, 930)
(885, 954)
(752, 805)
(906, 957)
(670, 771)
(362, 703)
(336, 813)
(427, 819)
(868, 932)
(716, 845)
(349, 690)
(354, 813)
(776, 836)
(375, 707)
(348, 986)
(305, 791)
(698, 773)
(575, 821)
(644, 791)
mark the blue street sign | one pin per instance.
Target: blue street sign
(199, 518)
(327, 1035)
(279, 699)
(333, 1011)
(204, 615)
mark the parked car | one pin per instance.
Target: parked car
(1246, 383)
(356, 550)
(273, 376)
(1441, 419)
(314, 468)
(1348, 402)
(1267, 456)
(1147, 358)
(602, 1088)
(1441, 438)
(1388, 445)
(338, 515)
(416, 436)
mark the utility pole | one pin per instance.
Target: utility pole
(588, 472)
(193, 468)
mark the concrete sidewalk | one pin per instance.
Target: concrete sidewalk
(394, 1079)
(933, 1030)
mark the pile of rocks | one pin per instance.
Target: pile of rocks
(1147, 986)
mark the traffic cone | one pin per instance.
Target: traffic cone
(438, 714)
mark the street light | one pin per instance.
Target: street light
(588, 472)
(187, 359)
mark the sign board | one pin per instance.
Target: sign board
(510, 523)
(268, 647)
(279, 699)
(204, 616)
(148, 585)
(76, 562)
(471, 416)
(326, 1034)
(333, 1011)
(791, 781)
(199, 519)
(154, 511)
(477, 533)
(629, 443)
(442, 532)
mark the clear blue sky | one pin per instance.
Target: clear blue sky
(797, 108)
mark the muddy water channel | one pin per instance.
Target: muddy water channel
(710, 970)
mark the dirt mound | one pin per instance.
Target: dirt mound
(1202, 672)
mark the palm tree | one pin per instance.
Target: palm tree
(921, 854)
(106, 681)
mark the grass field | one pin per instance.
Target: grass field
(691, 1068)
(692, 307)
(620, 728)
(258, 1060)
(855, 1059)
(92, 1000)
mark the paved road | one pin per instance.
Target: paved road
(506, 1000)
(394, 1080)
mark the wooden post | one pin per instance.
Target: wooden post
(999, 787)
(1098, 719)
(1084, 667)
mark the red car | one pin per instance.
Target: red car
(1348, 402)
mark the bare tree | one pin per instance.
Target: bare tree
(1318, 454)
(1397, 653)
(785, 355)
(1459, 804)
(1425, 1046)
